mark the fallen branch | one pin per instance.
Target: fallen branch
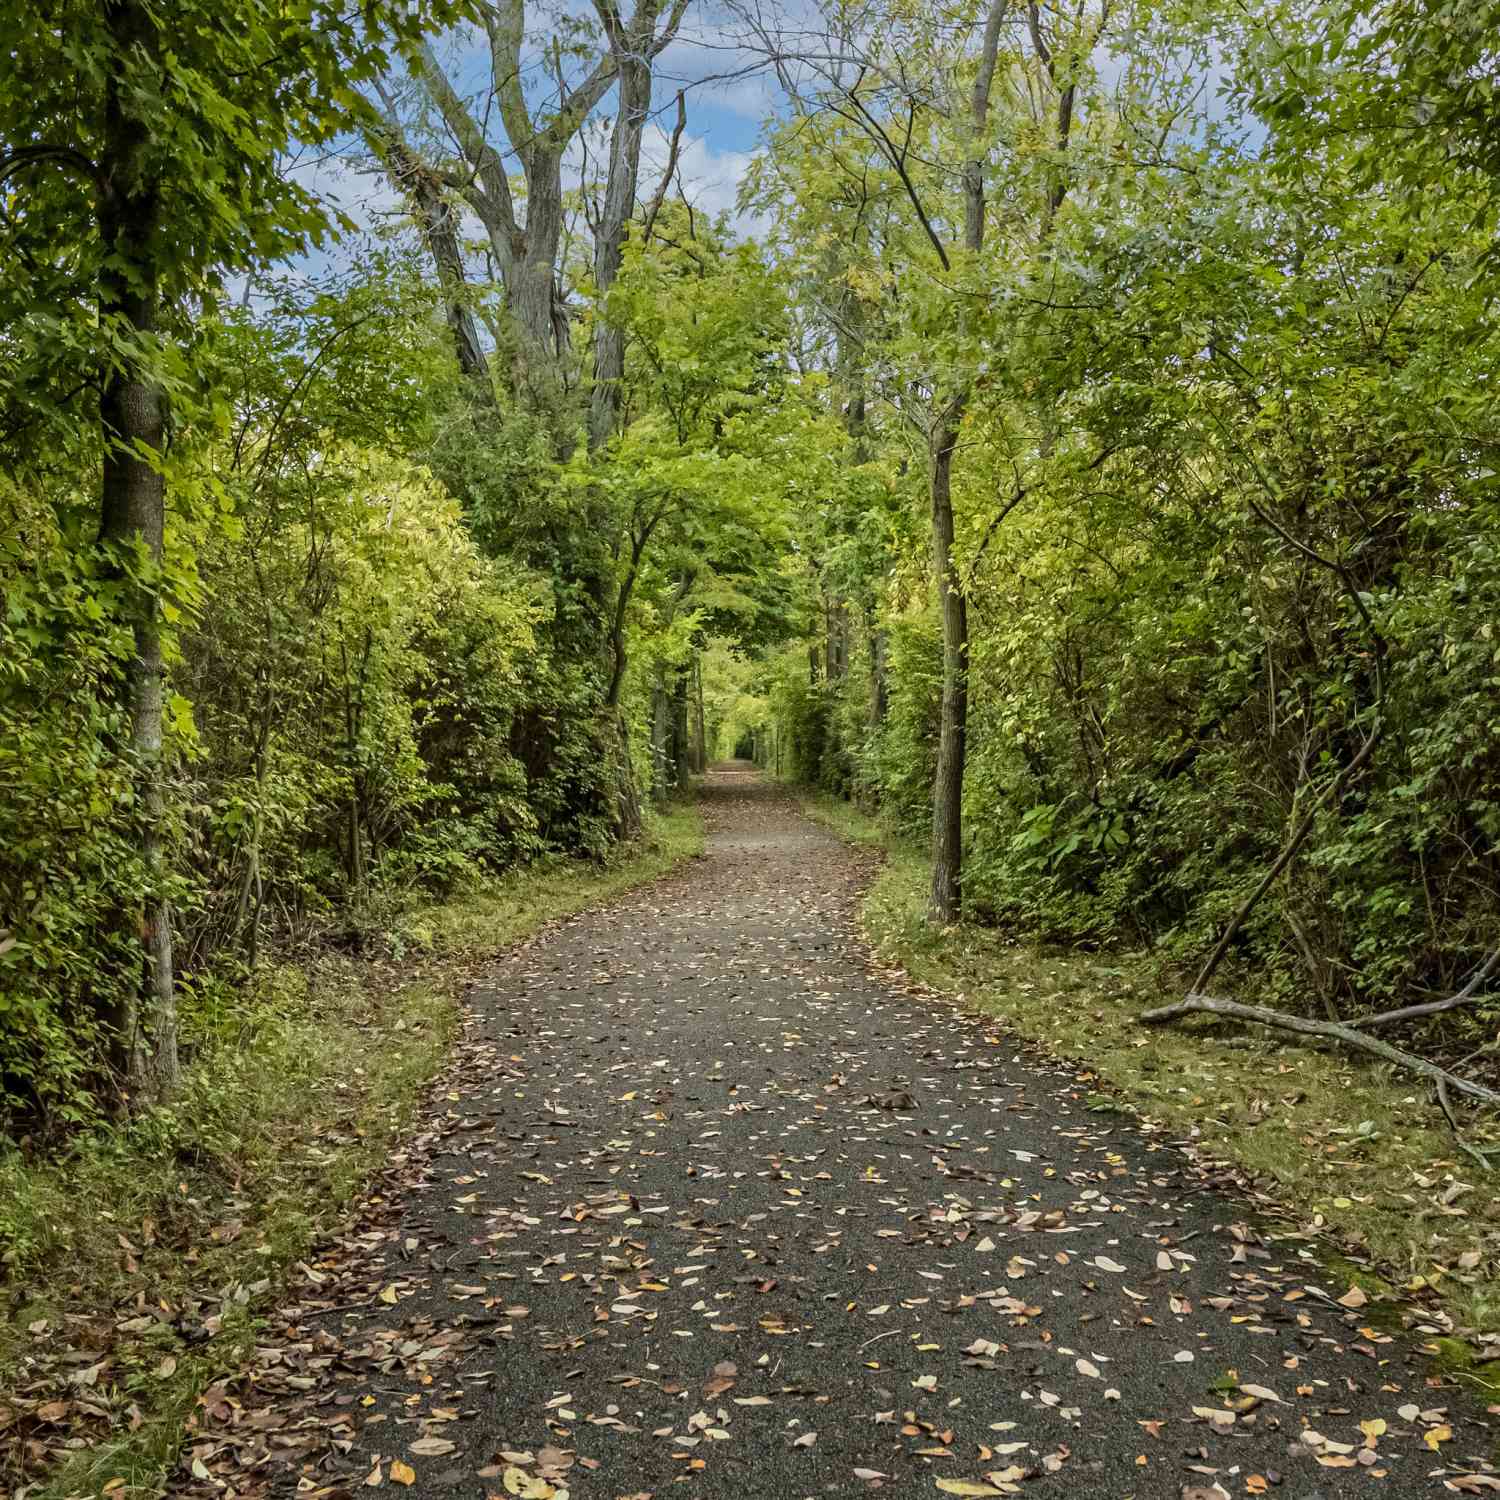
(1332, 1030)
(1435, 1007)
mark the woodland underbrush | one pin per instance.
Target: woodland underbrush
(135, 1265)
(1357, 1158)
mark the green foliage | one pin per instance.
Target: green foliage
(67, 859)
(1224, 498)
(353, 694)
(220, 98)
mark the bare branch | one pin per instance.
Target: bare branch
(674, 150)
(1435, 1007)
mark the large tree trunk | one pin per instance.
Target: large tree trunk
(945, 902)
(531, 292)
(948, 782)
(133, 414)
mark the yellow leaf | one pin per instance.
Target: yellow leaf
(402, 1473)
(967, 1487)
(389, 1294)
(1435, 1435)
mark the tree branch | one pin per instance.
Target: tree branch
(1436, 1007)
(24, 156)
(674, 151)
(1195, 1004)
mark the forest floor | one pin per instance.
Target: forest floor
(710, 1201)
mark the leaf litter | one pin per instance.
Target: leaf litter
(692, 1146)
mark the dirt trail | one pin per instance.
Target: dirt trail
(711, 1207)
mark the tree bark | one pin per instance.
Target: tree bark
(700, 747)
(879, 696)
(661, 734)
(525, 253)
(682, 754)
(633, 48)
(133, 417)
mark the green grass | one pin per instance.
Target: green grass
(1346, 1151)
(298, 1088)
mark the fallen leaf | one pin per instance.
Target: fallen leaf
(1261, 1393)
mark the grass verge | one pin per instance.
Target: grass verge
(136, 1266)
(1337, 1148)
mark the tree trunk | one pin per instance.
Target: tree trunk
(945, 902)
(700, 756)
(133, 415)
(531, 295)
(627, 796)
(438, 224)
(532, 292)
(634, 89)
(879, 695)
(681, 748)
(661, 734)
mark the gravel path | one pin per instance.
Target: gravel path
(709, 1206)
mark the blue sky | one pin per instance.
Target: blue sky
(727, 100)
(730, 94)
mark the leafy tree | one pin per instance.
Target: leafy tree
(143, 164)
